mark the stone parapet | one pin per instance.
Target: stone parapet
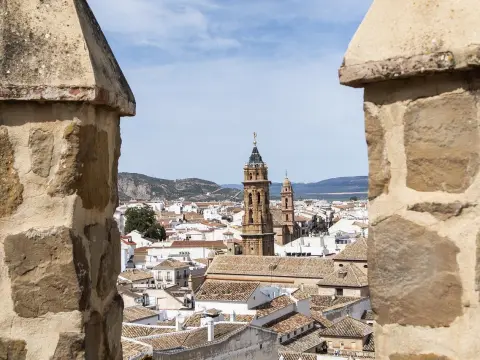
(422, 129)
(61, 97)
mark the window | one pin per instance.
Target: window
(258, 198)
(185, 273)
(250, 216)
(365, 266)
(185, 284)
(330, 345)
(295, 332)
(286, 217)
(286, 202)
(341, 265)
(261, 345)
(288, 336)
(250, 201)
(339, 292)
(353, 346)
(250, 176)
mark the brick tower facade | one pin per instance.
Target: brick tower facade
(290, 230)
(257, 223)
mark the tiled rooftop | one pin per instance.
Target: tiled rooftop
(170, 264)
(296, 356)
(349, 275)
(134, 313)
(303, 343)
(324, 302)
(368, 315)
(281, 266)
(289, 323)
(370, 344)
(190, 338)
(136, 275)
(356, 251)
(133, 331)
(276, 304)
(320, 319)
(347, 327)
(212, 290)
(199, 243)
(133, 349)
(301, 294)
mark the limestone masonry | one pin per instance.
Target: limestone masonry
(61, 97)
(419, 64)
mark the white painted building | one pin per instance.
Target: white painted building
(138, 239)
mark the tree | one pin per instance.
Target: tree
(143, 220)
(354, 198)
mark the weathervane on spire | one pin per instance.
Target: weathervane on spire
(254, 139)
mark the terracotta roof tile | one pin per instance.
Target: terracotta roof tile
(368, 315)
(370, 343)
(349, 276)
(303, 342)
(296, 356)
(170, 264)
(136, 275)
(225, 290)
(356, 251)
(300, 294)
(276, 304)
(280, 266)
(134, 350)
(289, 323)
(218, 244)
(347, 327)
(136, 330)
(134, 313)
(320, 319)
(323, 302)
(239, 318)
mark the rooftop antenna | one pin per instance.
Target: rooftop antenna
(254, 139)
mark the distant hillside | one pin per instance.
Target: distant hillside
(142, 187)
(322, 189)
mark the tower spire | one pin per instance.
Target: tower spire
(254, 139)
(286, 173)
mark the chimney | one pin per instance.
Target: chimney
(178, 324)
(301, 286)
(210, 329)
(232, 316)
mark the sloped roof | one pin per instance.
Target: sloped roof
(134, 313)
(133, 331)
(320, 319)
(324, 302)
(133, 349)
(255, 157)
(190, 338)
(279, 266)
(301, 294)
(217, 244)
(356, 251)
(170, 264)
(368, 315)
(370, 343)
(288, 323)
(276, 217)
(136, 275)
(212, 290)
(347, 327)
(296, 356)
(303, 343)
(273, 305)
(349, 276)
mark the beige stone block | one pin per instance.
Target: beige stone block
(11, 189)
(413, 275)
(418, 357)
(439, 210)
(441, 143)
(40, 143)
(48, 271)
(70, 346)
(379, 166)
(84, 167)
(12, 349)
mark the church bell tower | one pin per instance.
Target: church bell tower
(257, 223)
(289, 229)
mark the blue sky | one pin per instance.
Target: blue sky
(206, 74)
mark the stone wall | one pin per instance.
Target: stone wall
(61, 248)
(418, 62)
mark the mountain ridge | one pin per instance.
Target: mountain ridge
(143, 187)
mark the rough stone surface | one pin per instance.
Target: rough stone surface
(477, 265)
(441, 143)
(84, 167)
(46, 273)
(104, 243)
(113, 328)
(41, 148)
(70, 346)
(57, 51)
(13, 349)
(439, 210)
(413, 272)
(418, 357)
(11, 190)
(379, 166)
(114, 175)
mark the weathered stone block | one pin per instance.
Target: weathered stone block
(413, 272)
(477, 265)
(418, 357)
(49, 272)
(41, 148)
(70, 346)
(13, 349)
(440, 211)
(441, 143)
(11, 190)
(379, 166)
(113, 327)
(104, 243)
(84, 167)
